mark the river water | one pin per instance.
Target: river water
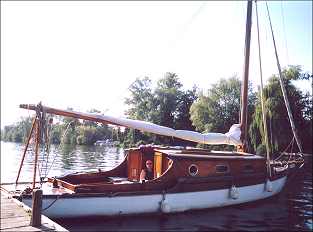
(291, 210)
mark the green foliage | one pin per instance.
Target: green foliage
(167, 105)
(141, 99)
(167, 95)
(56, 133)
(219, 109)
(17, 132)
(67, 130)
(279, 129)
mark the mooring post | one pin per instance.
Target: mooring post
(36, 208)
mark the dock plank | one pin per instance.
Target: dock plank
(14, 217)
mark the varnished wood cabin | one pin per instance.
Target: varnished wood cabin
(175, 170)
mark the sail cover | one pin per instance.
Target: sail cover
(232, 137)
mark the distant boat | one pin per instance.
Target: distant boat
(184, 178)
(106, 142)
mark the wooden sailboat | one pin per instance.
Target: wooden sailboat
(184, 179)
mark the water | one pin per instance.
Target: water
(291, 210)
(65, 159)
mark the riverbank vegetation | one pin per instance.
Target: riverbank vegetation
(205, 110)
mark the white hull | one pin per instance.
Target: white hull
(167, 203)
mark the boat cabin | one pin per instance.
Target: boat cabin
(170, 166)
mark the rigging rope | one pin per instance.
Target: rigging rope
(291, 143)
(284, 28)
(46, 148)
(262, 97)
(61, 142)
(44, 141)
(283, 87)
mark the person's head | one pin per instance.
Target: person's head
(149, 164)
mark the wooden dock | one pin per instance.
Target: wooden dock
(16, 216)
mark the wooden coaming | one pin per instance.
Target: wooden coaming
(93, 177)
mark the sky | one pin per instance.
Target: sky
(85, 55)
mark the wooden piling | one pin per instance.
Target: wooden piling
(35, 220)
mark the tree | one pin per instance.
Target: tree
(182, 115)
(17, 132)
(66, 130)
(86, 135)
(140, 100)
(167, 94)
(166, 105)
(219, 109)
(279, 129)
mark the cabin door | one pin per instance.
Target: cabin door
(134, 165)
(157, 164)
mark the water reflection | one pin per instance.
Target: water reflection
(65, 159)
(83, 158)
(67, 155)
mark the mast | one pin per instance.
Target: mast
(244, 88)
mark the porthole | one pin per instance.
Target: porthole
(193, 170)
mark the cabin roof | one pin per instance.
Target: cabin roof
(208, 154)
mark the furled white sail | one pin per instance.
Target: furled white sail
(232, 137)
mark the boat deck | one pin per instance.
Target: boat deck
(46, 188)
(15, 216)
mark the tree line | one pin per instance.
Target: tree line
(212, 110)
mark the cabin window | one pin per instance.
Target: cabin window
(193, 170)
(221, 169)
(248, 168)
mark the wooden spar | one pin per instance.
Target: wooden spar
(244, 88)
(36, 152)
(26, 147)
(66, 113)
(231, 138)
